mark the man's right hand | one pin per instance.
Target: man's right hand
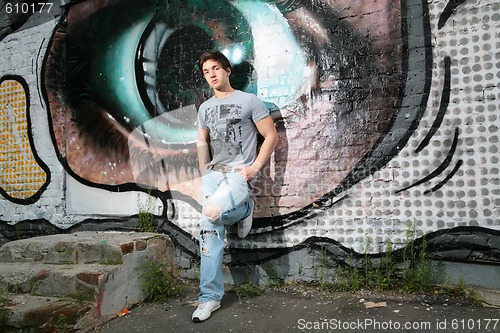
(204, 168)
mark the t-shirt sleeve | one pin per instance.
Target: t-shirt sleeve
(259, 110)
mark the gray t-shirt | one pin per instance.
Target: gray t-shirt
(231, 124)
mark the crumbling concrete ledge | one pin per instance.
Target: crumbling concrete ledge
(99, 272)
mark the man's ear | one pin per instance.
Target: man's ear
(228, 71)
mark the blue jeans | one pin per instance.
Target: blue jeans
(231, 193)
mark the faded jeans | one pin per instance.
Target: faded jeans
(231, 192)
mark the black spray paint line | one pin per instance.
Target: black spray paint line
(438, 245)
(443, 105)
(287, 221)
(440, 168)
(37, 73)
(451, 174)
(448, 11)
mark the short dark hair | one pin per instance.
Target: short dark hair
(215, 56)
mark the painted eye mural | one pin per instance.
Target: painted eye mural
(123, 90)
(122, 82)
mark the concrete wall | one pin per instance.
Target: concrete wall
(387, 113)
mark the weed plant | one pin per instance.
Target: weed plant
(158, 282)
(323, 269)
(348, 276)
(62, 324)
(145, 214)
(416, 272)
(248, 290)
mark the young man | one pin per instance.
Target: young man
(228, 125)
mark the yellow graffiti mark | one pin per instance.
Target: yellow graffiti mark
(20, 175)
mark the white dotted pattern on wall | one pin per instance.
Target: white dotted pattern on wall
(472, 196)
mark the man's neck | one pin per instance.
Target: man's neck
(221, 94)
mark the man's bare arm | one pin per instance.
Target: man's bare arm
(203, 149)
(267, 129)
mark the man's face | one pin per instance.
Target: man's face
(216, 76)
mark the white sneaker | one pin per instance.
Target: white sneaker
(245, 225)
(204, 311)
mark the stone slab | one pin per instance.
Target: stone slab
(45, 313)
(82, 282)
(82, 247)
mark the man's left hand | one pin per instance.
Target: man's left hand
(249, 172)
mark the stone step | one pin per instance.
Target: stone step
(28, 313)
(81, 282)
(105, 248)
(73, 272)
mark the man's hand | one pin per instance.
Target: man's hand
(204, 168)
(249, 172)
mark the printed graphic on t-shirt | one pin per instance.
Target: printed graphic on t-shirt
(224, 124)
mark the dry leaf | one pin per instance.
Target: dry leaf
(123, 312)
(372, 305)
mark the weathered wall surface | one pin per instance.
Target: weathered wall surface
(387, 111)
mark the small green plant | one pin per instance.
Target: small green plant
(447, 290)
(146, 213)
(386, 272)
(369, 277)
(158, 282)
(341, 284)
(300, 268)
(461, 285)
(3, 296)
(416, 272)
(248, 289)
(343, 272)
(274, 279)
(62, 324)
(348, 276)
(322, 270)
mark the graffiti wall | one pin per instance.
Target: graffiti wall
(387, 113)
